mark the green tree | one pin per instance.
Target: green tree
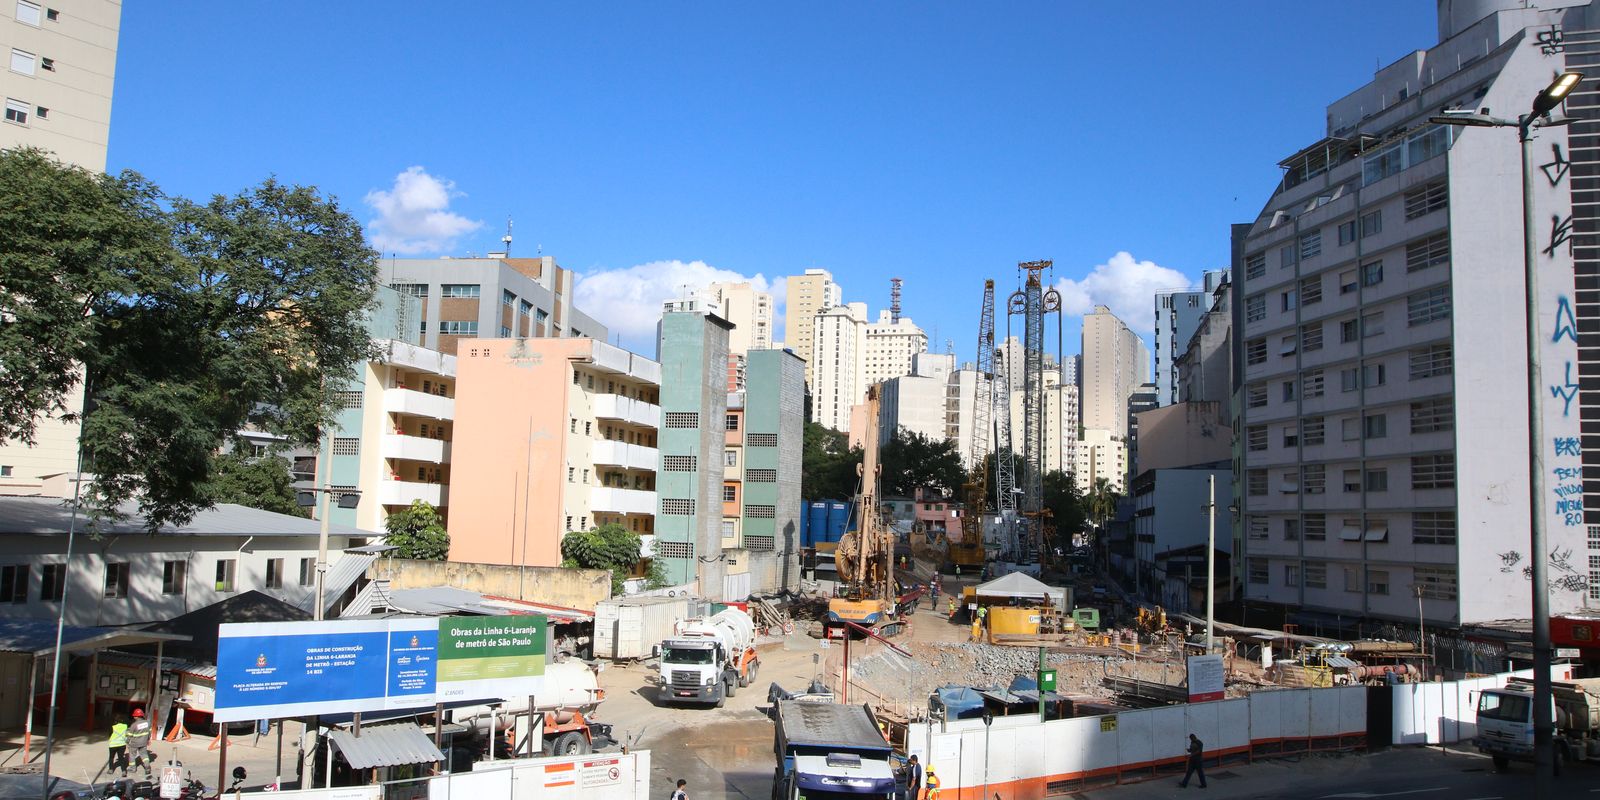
(1066, 506)
(263, 482)
(190, 321)
(418, 533)
(827, 464)
(608, 547)
(912, 461)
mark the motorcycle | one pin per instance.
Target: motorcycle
(193, 789)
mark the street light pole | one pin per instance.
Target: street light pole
(1211, 559)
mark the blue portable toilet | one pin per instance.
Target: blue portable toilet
(838, 519)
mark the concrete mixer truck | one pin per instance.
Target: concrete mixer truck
(559, 721)
(707, 660)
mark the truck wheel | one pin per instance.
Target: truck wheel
(732, 683)
(722, 699)
(570, 743)
(1501, 763)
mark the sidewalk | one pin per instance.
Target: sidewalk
(1315, 775)
(79, 756)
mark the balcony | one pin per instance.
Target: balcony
(621, 362)
(607, 453)
(622, 501)
(415, 448)
(401, 354)
(403, 493)
(411, 401)
(627, 409)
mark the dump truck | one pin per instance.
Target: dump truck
(559, 716)
(1505, 721)
(708, 659)
(830, 751)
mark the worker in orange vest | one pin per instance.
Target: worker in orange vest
(932, 784)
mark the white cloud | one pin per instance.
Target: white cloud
(1127, 286)
(629, 300)
(414, 215)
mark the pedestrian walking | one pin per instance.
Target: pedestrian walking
(933, 593)
(139, 743)
(682, 792)
(913, 779)
(1197, 751)
(117, 748)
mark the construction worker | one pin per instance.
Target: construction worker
(117, 748)
(913, 779)
(933, 784)
(952, 614)
(933, 592)
(983, 616)
(139, 744)
(977, 629)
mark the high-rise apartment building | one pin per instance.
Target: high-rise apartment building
(1115, 362)
(62, 64)
(750, 312)
(694, 411)
(1178, 314)
(1058, 421)
(774, 426)
(551, 436)
(806, 296)
(890, 347)
(835, 373)
(489, 298)
(920, 401)
(1100, 454)
(1385, 398)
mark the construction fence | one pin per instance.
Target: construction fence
(596, 776)
(1021, 758)
(1446, 712)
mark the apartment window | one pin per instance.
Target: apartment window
(731, 422)
(1347, 232)
(5, 470)
(1352, 481)
(173, 574)
(1255, 351)
(1349, 331)
(1375, 426)
(761, 475)
(572, 474)
(508, 298)
(1377, 581)
(1310, 337)
(1311, 244)
(1431, 361)
(274, 573)
(1371, 324)
(16, 111)
(1255, 266)
(116, 582)
(1435, 583)
(730, 494)
(413, 289)
(1349, 379)
(1255, 308)
(677, 507)
(1377, 480)
(40, 111)
(505, 332)
(569, 522)
(459, 290)
(346, 446)
(1255, 438)
(1257, 570)
(1316, 575)
(761, 439)
(1371, 223)
(1291, 436)
(682, 419)
(1256, 482)
(1372, 273)
(14, 583)
(1291, 529)
(52, 582)
(28, 13)
(524, 308)
(585, 475)
(1433, 141)
(1289, 300)
(1380, 164)
(1430, 252)
(1426, 199)
(1311, 290)
(1288, 391)
(1352, 577)
(1373, 375)
(308, 571)
(458, 327)
(730, 458)
(760, 512)
(1427, 306)
(1433, 527)
(1312, 431)
(1315, 527)
(22, 61)
(52, 15)
(1433, 471)
(1311, 384)
(1432, 416)
(1286, 256)
(678, 463)
(1257, 528)
(226, 569)
(1291, 575)
(1256, 395)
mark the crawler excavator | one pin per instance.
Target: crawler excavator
(868, 593)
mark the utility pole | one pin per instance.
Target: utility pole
(1211, 559)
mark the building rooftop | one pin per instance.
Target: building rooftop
(50, 516)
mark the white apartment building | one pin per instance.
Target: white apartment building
(1059, 418)
(1385, 444)
(890, 348)
(806, 296)
(1100, 454)
(750, 311)
(1115, 362)
(839, 343)
(918, 402)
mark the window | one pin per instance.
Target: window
(308, 571)
(41, 112)
(1314, 477)
(1377, 480)
(1372, 273)
(1352, 577)
(413, 289)
(226, 567)
(1433, 472)
(731, 423)
(1291, 436)
(1352, 481)
(1433, 527)
(173, 574)
(1347, 281)
(730, 458)
(1435, 583)
(683, 550)
(1316, 575)
(1427, 306)
(682, 420)
(1257, 570)
(1349, 331)
(1255, 352)
(458, 327)
(1255, 438)
(1291, 575)
(1377, 581)
(1425, 145)
(1432, 416)
(1255, 308)
(1349, 379)
(1310, 337)
(5, 470)
(1291, 529)
(14, 583)
(761, 439)
(346, 446)
(505, 332)
(761, 475)
(1315, 527)
(1371, 324)
(1256, 482)
(1426, 199)
(1373, 375)
(274, 573)
(1256, 395)
(1289, 300)
(1371, 223)
(730, 494)
(28, 13)
(1431, 361)
(1375, 426)
(1380, 164)
(116, 583)
(1311, 384)
(1286, 256)
(52, 15)
(585, 475)
(458, 290)
(1347, 232)
(761, 512)
(677, 506)
(508, 298)
(1311, 244)
(1258, 528)
(1311, 290)
(1255, 266)
(16, 111)
(1312, 431)
(679, 463)
(22, 61)
(52, 582)
(1288, 391)
(1430, 252)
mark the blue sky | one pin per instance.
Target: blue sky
(648, 145)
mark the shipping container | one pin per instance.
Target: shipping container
(628, 627)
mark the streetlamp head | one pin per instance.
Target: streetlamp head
(305, 499)
(1467, 119)
(1556, 92)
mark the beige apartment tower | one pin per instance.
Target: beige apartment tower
(807, 296)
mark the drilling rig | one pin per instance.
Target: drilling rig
(868, 593)
(1032, 302)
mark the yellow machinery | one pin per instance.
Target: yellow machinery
(865, 556)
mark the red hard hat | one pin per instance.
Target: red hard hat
(138, 712)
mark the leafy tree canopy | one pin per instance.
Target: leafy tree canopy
(912, 461)
(608, 547)
(418, 533)
(827, 464)
(265, 483)
(1066, 506)
(187, 322)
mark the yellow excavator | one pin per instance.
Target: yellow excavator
(868, 594)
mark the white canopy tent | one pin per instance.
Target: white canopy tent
(1021, 587)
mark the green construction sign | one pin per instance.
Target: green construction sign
(483, 658)
(1047, 680)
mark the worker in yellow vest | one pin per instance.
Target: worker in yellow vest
(933, 784)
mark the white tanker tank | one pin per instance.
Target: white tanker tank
(708, 659)
(570, 695)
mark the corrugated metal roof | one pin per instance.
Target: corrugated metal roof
(38, 637)
(450, 600)
(138, 661)
(47, 515)
(341, 575)
(386, 746)
(1340, 662)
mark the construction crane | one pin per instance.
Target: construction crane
(869, 595)
(969, 553)
(1032, 302)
